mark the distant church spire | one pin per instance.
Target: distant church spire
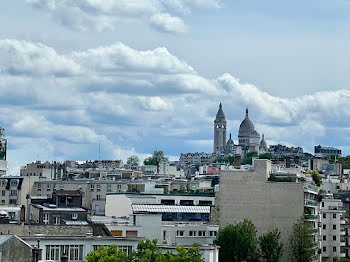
(219, 130)
(246, 112)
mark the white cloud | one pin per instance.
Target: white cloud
(167, 23)
(107, 14)
(119, 57)
(155, 104)
(137, 101)
(21, 57)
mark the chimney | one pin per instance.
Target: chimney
(22, 214)
(237, 162)
(36, 254)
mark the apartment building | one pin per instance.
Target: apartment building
(269, 202)
(183, 219)
(94, 191)
(14, 189)
(333, 231)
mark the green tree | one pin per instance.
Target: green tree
(249, 157)
(238, 242)
(265, 156)
(191, 254)
(316, 177)
(270, 247)
(302, 242)
(108, 254)
(147, 251)
(133, 161)
(156, 158)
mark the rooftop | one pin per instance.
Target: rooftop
(63, 209)
(170, 209)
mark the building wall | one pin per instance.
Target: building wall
(48, 230)
(19, 198)
(333, 240)
(94, 192)
(268, 205)
(10, 250)
(3, 167)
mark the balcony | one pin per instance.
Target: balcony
(311, 203)
(342, 221)
(311, 217)
(314, 230)
(342, 243)
(342, 232)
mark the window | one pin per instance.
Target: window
(61, 187)
(46, 219)
(324, 215)
(334, 227)
(3, 202)
(324, 238)
(14, 182)
(119, 187)
(13, 202)
(335, 238)
(180, 233)
(98, 188)
(164, 235)
(192, 233)
(324, 226)
(76, 252)
(98, 197)
(109, 188)
(126, 249)
(212, 233)
(334, 249)
(324, 249)
(322, 204)
(3, 192)
(56, 220)
(49, 187)
(92, 187)
(38, 187)
(55, 252)
(52, 252)
(3, 182)
(54, 187)
(334, 215)
(74, 216)
(13, 193)
(201, 233)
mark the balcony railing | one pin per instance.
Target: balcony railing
(311, 217)
(310, 203)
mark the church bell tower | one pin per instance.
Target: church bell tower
(219, 130)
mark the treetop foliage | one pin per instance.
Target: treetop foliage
(147, 251)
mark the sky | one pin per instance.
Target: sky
(134, 76)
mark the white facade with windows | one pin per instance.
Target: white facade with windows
(332, 220)
(77, 247)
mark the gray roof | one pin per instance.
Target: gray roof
(247, 125)
(5, 238)
(63, 209)
(220, 114)
(170, 209)
(76, 222)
